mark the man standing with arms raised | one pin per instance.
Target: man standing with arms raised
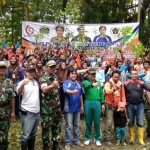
(50, 107)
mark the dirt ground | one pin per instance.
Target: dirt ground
(15, 132)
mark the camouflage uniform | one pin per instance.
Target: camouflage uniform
(6, 93)
(80, 38)
(59, 42)
(50, 111)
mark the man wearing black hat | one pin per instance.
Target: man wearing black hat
(81, 37)
(30, 108)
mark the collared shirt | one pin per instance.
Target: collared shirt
(59, 41)
(82, 38)
(103, 40)
(30, 96)
(72, 101)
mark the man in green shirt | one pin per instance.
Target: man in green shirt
(94, 101)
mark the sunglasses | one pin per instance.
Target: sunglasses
(52, 67)
(92, 74)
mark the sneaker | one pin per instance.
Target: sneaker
(87, 142)
(123, 142)
(67, 147)
(108, 143)
(98, 143)
(118, 142)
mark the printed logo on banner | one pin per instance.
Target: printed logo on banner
(44, 29)
(115, 31)
(29, 30)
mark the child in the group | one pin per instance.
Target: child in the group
(120, 121)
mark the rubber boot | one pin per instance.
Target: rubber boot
(132, 134)
(31, 143)
(141, 135)
(24, 145)
(55, 146)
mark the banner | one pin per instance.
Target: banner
(90, 38)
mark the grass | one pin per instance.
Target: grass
(15, 132)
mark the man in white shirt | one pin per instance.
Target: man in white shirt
(30, 108)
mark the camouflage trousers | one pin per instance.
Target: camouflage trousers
(51, 122)
(4, 128)
(147, 114)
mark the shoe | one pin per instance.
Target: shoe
(79, 144)
(31, 143)
(141, 135)
(87, 142)
(132, 134)
(55, 146)
(118, 142)
(98, 143)
(67, 147)
(123, 142)
(108, 143)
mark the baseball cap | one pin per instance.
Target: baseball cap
(51, 63)
(3, 63)
(91, 71)
(30, 67)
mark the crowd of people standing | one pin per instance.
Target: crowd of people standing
(54, 83)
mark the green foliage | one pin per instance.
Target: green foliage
(38, 37)
(125, 31)
(137, 48)
(75, 11)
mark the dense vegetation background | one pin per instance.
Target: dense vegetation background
(13, 12)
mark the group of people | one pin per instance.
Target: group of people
(39, 86)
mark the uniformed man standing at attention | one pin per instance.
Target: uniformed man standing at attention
(50, 107)
(7, 105)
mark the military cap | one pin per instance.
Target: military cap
(91, 71)
(80, 27)
(30, 67)
(51, 63)
(3, 63)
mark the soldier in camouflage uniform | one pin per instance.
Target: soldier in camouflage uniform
(81, 37)
(50, 107)
(6, 98)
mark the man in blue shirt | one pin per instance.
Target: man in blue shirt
(72, 107)
(102, 39)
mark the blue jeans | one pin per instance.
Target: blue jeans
(72, 120)
(135, 112)
(29, 125)
(120, 132)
